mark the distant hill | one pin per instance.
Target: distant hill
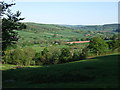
(106, 27)
(37, 33)
(73, 26)
(54, 27)
(117, 30)
(44, 27)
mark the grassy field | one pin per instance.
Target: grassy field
(98, 72)
(44, 34)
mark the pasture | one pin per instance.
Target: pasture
(97, 72)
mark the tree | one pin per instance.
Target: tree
(65, 55)
(114, 44)
(97, 45)
(46, 57)
(19, 56)
(10, 23)
(45, 51)
(84, 53)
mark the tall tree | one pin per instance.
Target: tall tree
(97, 45)
(10, 23)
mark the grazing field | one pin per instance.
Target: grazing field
(98, 72)
(48, 34)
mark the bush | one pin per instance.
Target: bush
(76, 56)
(37, 58)
(56, 57)
(97, 46)
(19, 56)
(114, 44)
(46, 59)
(29, 54)
(84, 53)
(65, 55)
(7, 57)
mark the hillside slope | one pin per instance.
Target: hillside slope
(36, 32)
(99, 72)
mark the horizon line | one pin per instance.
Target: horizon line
(61, 0)
(66, 24)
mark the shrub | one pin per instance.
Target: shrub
(19, 56)
(7, 57)
(114, 44)
(56, 57)
(37, 58)
(76, 55)
(29, 54)
(45, 50)
(65, 55)
(84, 53)
(97, 46)
(46, 59)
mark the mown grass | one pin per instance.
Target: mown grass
(99, 72)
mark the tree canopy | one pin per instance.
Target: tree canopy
(10, 23)
(97, 45)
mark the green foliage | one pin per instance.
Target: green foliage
(37, 58)
(46, 59)
(9, 36)
(76, 55)
(114, 44)
(19, 56)
(97, 45)
(7, 57)
(10, 22)
(44, 52)
(100, 72)
(65, 55)
(29, 54)
(107, 27)
(56, 57)
(50, 34)
(84, 53)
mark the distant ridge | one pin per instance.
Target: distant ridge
(108, 27)
(105, 27)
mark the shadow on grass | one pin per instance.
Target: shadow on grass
(106, 56)
(71, 72)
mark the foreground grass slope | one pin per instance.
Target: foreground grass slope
(99, 72)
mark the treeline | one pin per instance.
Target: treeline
(27, 56)
(34, 27)
(106, 27)
(99, 46)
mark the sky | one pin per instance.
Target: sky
(72, 13)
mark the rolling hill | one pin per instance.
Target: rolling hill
(42, 35)
(105, 27)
